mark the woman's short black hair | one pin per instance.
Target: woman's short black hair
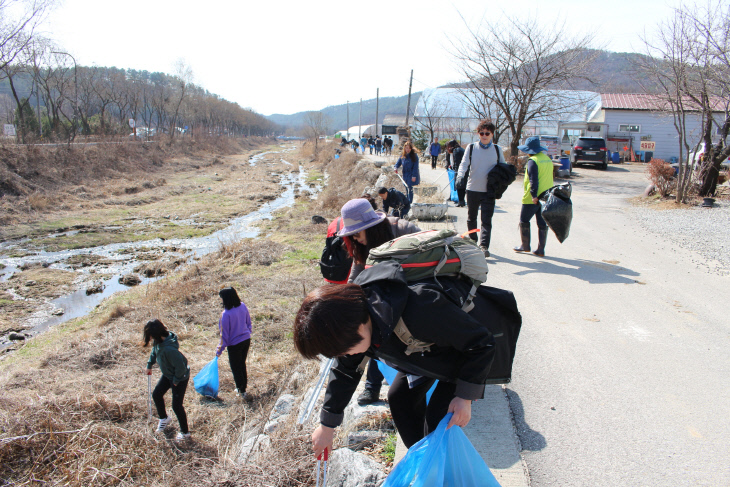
(329, 319)
(154, 330)
(230, 298)
(376, 235)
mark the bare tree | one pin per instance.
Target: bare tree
(432, 113)
(689, 61)
(18, 21)
(520, 67)
(316, 124)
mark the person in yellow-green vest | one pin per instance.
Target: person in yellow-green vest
(538, 179)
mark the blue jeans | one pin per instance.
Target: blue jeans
(410, 194)
(527, 213)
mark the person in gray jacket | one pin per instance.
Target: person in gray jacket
(479, 159)
(366, 229)
(175, 374)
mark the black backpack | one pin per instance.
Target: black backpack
(335, 262)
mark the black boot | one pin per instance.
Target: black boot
(525, 235)
(541, 240)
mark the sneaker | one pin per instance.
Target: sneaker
(368, 396)
(485, 250)
(182, 436)
(246, 396)
(163, 424)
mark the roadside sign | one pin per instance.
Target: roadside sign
(131, 123)
(647, 145)
(9, 130)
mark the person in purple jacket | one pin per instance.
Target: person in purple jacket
(235, 329)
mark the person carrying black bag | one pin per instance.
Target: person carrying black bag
(480, 159)
(538, 179)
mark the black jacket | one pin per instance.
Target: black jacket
(500, 177)
(397, 201)
(465, 348)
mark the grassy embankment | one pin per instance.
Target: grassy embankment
(74, 410)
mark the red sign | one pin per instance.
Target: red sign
(626, 148)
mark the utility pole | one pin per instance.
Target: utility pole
(348, 119)
(377, 105)
(359, 123)
(408, 107)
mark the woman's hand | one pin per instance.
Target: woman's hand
(413, 179)
(218, 350)
(534, 201)
(147, 371)
(322, 439)
(462, 412)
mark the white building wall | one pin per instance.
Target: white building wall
(658, 125)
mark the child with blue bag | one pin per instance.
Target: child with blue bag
(175, 374)
(235, 330)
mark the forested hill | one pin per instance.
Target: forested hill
(391, 105)
(613, 72)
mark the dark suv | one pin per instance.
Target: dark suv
(590, 150)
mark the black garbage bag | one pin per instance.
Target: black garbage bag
(558, 210)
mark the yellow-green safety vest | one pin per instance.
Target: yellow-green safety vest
(544, 177)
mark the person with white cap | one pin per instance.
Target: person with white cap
(366, 229)
(538, 179)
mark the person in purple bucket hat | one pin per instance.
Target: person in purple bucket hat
(367, 229)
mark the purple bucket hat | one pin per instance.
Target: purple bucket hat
(358, 215)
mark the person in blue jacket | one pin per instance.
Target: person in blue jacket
(175, 374)
(434, 149)
(411, 173)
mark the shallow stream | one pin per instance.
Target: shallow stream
(122, 255)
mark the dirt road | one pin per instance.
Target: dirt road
(621, 369)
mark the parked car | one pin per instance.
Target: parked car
(590, 150)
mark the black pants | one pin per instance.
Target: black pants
(178, 395)
(527, 213)
(412, 417)
(237, 359)
(475, 201)
(433, 161)
(373, 377)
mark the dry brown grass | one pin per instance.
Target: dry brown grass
(348, 178)
(74, 404)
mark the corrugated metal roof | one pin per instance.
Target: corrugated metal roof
(631, 101)
(645, 101)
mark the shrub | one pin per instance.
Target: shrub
(661, 174)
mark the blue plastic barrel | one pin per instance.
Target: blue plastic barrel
(616, 157)
(565, 163)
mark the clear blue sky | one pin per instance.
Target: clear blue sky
(288, 56)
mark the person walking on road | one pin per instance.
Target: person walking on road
(454, 155)
(363, 143)
(538, 179)
(366, 229)
(411, 172)
(392, 198)
(371, 143)
(378, 145)
(479, 160)
(434, 149)
(235, 330)
(175, 375)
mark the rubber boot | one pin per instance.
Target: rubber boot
(525, 235)
(541, 240)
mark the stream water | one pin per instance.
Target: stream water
(78, 303)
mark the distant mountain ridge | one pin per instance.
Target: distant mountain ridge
(613, 72)
(389, 105)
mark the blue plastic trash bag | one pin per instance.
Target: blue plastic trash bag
(444, 457)
(452, 179)
(206, 382)
(389, 374)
